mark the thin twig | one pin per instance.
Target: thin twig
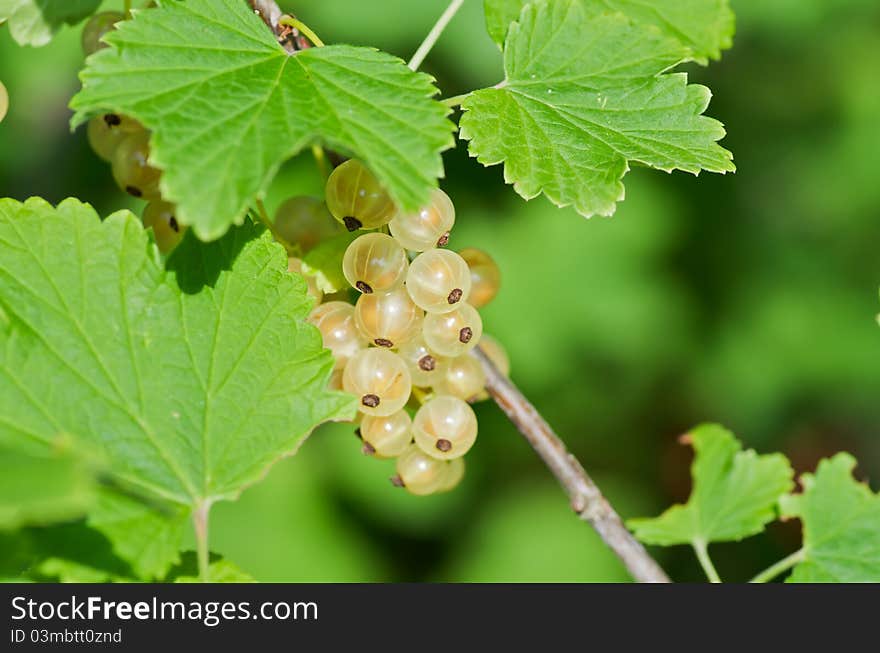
(434, 34)
(586, 498)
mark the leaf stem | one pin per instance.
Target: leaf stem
(434, 34)
(290, 21)
(785, 564)
(200, 524)
(126, 8)
(702, 552)
(586, 498)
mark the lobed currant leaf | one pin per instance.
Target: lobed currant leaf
(227, 106)
(841, 522)
(34, 22)
(705, 27)
(584, 96)
(734, 495)
(189, 383)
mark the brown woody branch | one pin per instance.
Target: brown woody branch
(586, 498)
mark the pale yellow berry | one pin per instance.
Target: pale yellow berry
(439, 281)
(356, 198)
(375, 263)
(426, 228)
(453, 334)
(380, 381)
(445, 427)
(485, 276)
(420, 473)
(388, 320)
(386, 437)
(335, 321)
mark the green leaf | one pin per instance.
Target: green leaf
(189, 383)
(583, 97)
(227, 105)
(34, 22)
(147, 535)
(41, 489)
(734, 495)
(324, 262)
(705, 27)
(841, 520)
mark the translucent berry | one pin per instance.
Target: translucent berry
(420, 473)
(463, 377)
(107, 131)
(453, 476)
(356, 198)
(375, 263)
(303, 222)
(131, 170)
(380, 381)
(445, 427)
(295, 265)
(386, 437)
(168, 232)
(426, 228)
(99, 25)
(335, 321)
(485, 276)
(438, 281)
(425, 366)
(453, 334)
(388, 320)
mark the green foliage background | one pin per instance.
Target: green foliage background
(748, 299)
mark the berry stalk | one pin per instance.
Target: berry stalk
(586, 497)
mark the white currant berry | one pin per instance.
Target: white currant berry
(485, 276)
(295, 264)
(453, 476)
(375, 263)
(438, 281)
(453, 334)
(463, 377)
(386, 437)
(159, 216)
(388, 320)
(425, 366)
(420, 473)
(131, 169)
(380, 381)
(426, 228)
(335, 321)
(303, 222)
(106, 132)
(356, 198)
(99, 25)
(445, 427)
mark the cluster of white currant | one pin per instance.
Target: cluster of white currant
(125, 144)
(404, 345)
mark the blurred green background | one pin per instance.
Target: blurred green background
(748, 299)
